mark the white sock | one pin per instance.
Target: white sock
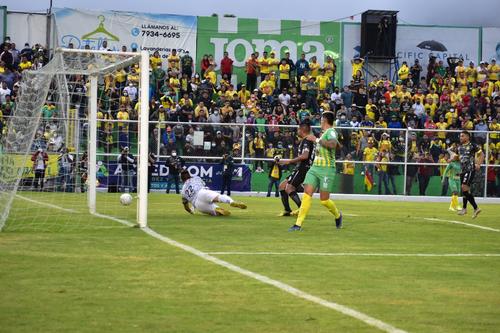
(225, 199)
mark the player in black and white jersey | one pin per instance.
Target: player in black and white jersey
(288, 188)
(471, 157)
(197, 196)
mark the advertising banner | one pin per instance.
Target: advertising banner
(150, 32)
(211, 173)
(242, 36)
(418, 42)
(491, 44)
(23, 165)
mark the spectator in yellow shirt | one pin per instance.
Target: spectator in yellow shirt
(273, 62)
(451, 116)
(493, 70)
(441, 125)
(243, 94)
(330, 68)
(471, 73)
(264, 66)
(174, 61)
(403, 72)
(210, 75)
(284, 69)
(314, 67)
(323, 82)
(24, 64)
(266, 86)
(357, 65)
(155, 60)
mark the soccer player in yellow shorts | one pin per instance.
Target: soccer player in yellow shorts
(322, 173)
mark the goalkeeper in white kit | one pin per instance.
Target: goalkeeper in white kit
(197, 196)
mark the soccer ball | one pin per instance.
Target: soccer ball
(125, 199)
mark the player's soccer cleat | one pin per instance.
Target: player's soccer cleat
(462, 212)
(338, 222)
(238, 204)
(222, 212)
(452, 209)
(476, 213)
(295, 228)
(284, 213)
(295, 212)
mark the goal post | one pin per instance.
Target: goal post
(74, 83)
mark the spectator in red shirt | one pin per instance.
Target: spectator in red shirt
(251, 69)
(205, 63)
(226, 66)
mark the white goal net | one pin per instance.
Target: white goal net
(75, 132)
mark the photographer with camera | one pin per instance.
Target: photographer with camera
(227, 172)
(66, 164)
(175, 165)
(40, 159)
(126, 161)
(275, 171)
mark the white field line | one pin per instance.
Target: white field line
(41, 203)
(124, 222)
(347, 254)
(463, 223)
(280, 285)
(262, 278)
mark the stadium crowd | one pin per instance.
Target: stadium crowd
(277, 92)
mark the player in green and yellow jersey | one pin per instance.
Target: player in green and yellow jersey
(322, 173)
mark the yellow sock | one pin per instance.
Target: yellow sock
(454, 201)
(304, 209)
(330, 205)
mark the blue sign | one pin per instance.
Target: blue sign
(211, 173)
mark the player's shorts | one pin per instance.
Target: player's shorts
(296, 178)
(467, 177)
(454, 185)
(204, 202)
(321, 177)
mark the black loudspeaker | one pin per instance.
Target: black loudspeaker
(378, 33)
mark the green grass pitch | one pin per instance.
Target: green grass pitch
(70, 271)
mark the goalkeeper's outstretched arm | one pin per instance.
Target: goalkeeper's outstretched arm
(187, 206)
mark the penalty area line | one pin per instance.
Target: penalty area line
(347, 254)
(462, 223)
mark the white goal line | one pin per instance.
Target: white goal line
(349, 254)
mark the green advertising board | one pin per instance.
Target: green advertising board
(242, 36)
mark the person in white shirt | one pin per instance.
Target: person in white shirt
(284, 98)
(4, 91)
(419, 109)
(197, 196)
(131, 91)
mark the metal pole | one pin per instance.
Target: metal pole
(243, 144)
(158, 138)
(486, 161)
(142, 175)
(406, 161)
(92, 148)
